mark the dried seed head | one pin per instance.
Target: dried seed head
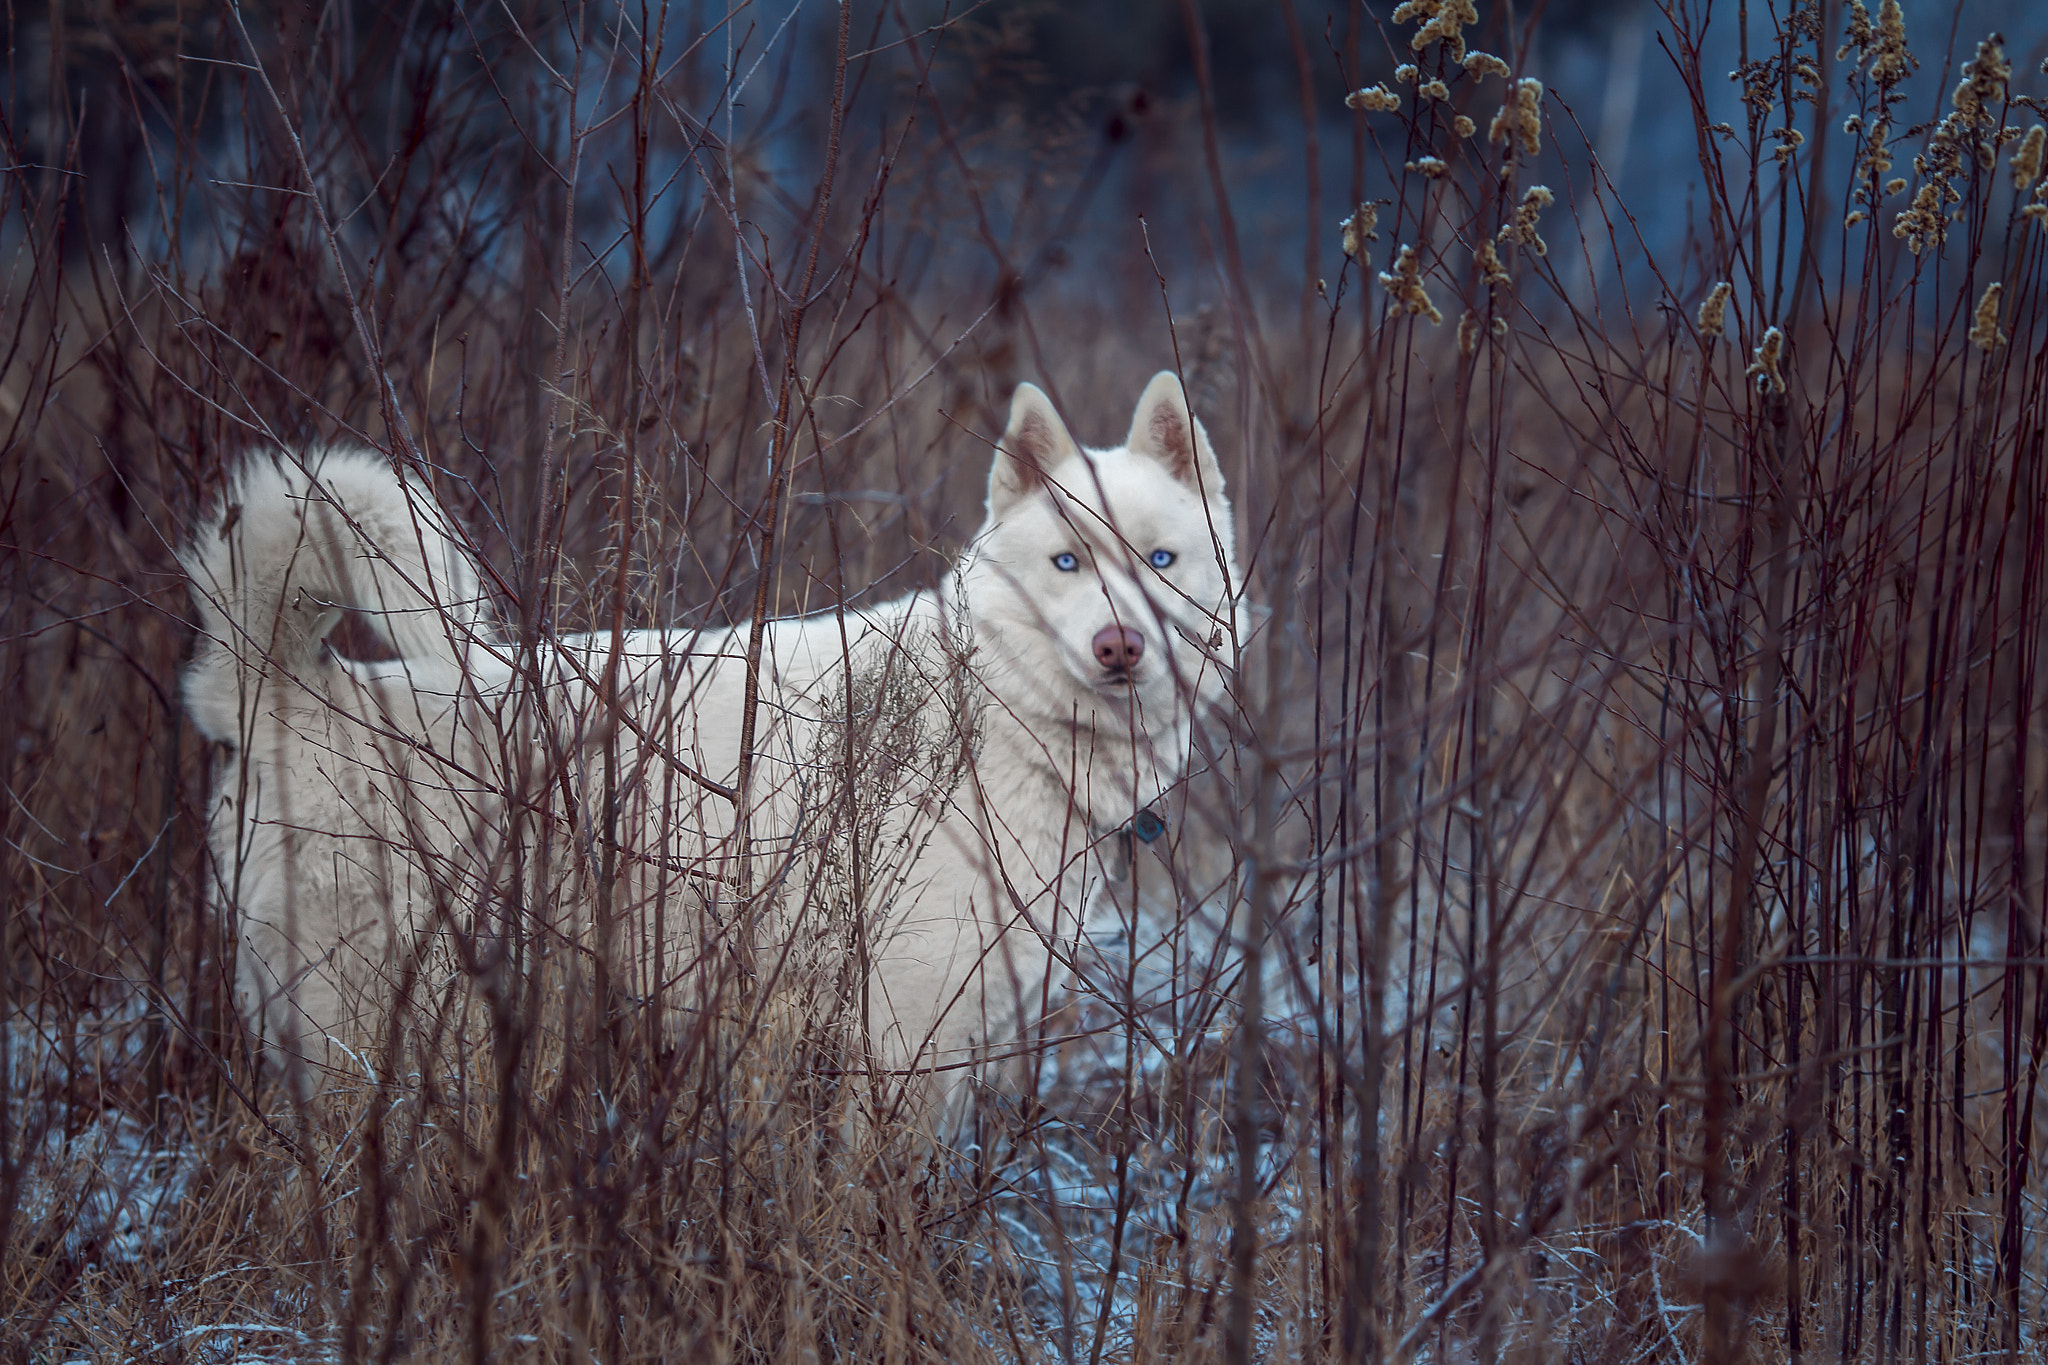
(1433, 90)
(1859, 34)
(1764, 368)
(1468, 333)
(1984, 79)
(1404, 282)
(1984, 333)
(1521, 118)
(1759, 86)
(1713, 315)
(1443, 21)
(2037, 212)
(1463, 126)
(1432, 166)
(1855, 216)
(1895, 185)
(1923, 224)
(2026, 162)
(1358, 230)
(1491, 271)
(1891, 61)
(1479, 64)
(1942, 160)
(1875, 156)
(1522, 227)
(1407, 73)
(1500, 327)
(1374, 99)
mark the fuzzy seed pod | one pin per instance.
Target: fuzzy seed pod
(1984, 82)
(1892, 61)
(1491, 271)
(1713, 314)
(1358, 230)
(1860, 32)
(1764, 368)
(1984, 333)
(1522, 227)
(1521, 119)
(1923, 224)
(1374, 99)
(1443, 21)
(1404, 282)
(2026, 162)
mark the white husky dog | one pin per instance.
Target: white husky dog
(927, 785)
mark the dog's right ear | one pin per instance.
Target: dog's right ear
(1165, 429)
(1036, 444)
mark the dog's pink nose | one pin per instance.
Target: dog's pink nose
(1118, 647)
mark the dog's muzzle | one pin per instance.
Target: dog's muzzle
(1119, 650)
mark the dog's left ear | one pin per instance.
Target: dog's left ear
(1036, 444)
(1164, 429)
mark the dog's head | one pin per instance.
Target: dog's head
(1104, 580)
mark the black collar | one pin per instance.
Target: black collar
(1145, 827)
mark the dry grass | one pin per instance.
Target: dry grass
(1607, 924)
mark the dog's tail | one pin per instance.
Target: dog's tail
(296, 543)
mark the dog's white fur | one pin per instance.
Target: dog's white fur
(933, 772)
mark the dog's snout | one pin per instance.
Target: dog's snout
(1118, 647)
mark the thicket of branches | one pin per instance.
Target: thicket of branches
(1606, 922)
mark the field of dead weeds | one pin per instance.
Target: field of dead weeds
(1605, 923)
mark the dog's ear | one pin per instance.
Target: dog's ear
(1164, 429)
(1036, 444)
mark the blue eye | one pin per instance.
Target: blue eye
(1065, 562)
(1162, 558)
